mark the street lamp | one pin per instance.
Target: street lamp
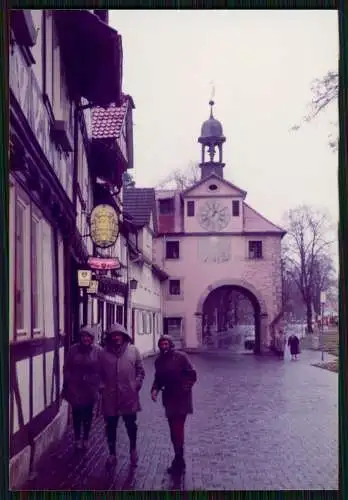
(133, 284)
(322, 305)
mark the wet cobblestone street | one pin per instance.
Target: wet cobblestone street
(259, 423)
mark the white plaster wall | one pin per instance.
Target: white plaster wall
(22, 368)
(47, 272)
(49, 378)
(146, 298)
(61, 366)
(38, 378)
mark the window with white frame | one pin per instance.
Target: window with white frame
(36, 272)
(140, 323)
(150, 326)
(144, 325)
(61, 284)
(33, 257)
(22, 265)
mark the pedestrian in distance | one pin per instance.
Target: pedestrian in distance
(175, 377)
(122, 374)
(81, 383)
(294, 344)
(286, 350)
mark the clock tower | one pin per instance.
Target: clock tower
(211, 139)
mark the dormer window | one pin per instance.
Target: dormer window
(166, 206)
(235, 208)
(213, 187)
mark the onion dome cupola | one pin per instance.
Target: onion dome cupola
(212, 139)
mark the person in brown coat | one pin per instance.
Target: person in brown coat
(81, 383)
(122, 375)
(175, 376)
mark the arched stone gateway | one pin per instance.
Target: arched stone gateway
(215, 318)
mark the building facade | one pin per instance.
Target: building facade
(146, 278)
(59, 66)
(217, 249)
(112, 152)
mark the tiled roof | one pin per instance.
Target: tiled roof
(107, 122)
(139, 204)
(255, 222)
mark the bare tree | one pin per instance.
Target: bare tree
(181, 179)
(128, 180)
(324, 92)
(307, 249)
(324, 279)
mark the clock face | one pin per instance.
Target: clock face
(213, 216)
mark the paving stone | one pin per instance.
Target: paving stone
(259, 424)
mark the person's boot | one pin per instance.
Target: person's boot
(178, 465)
(134, 456)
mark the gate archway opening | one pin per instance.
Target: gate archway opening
(231, 319)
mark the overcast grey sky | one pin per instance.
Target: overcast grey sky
(262, 64)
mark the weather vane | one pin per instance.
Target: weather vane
(211, 102)
(212, 93)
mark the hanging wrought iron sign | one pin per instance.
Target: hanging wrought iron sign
(104, 226)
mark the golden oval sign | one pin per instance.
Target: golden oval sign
(104, 225)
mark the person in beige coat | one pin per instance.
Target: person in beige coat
(122, 374)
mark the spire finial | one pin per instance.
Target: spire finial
(211, 104)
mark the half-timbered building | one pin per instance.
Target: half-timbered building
(112, 155)
(62, 63)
